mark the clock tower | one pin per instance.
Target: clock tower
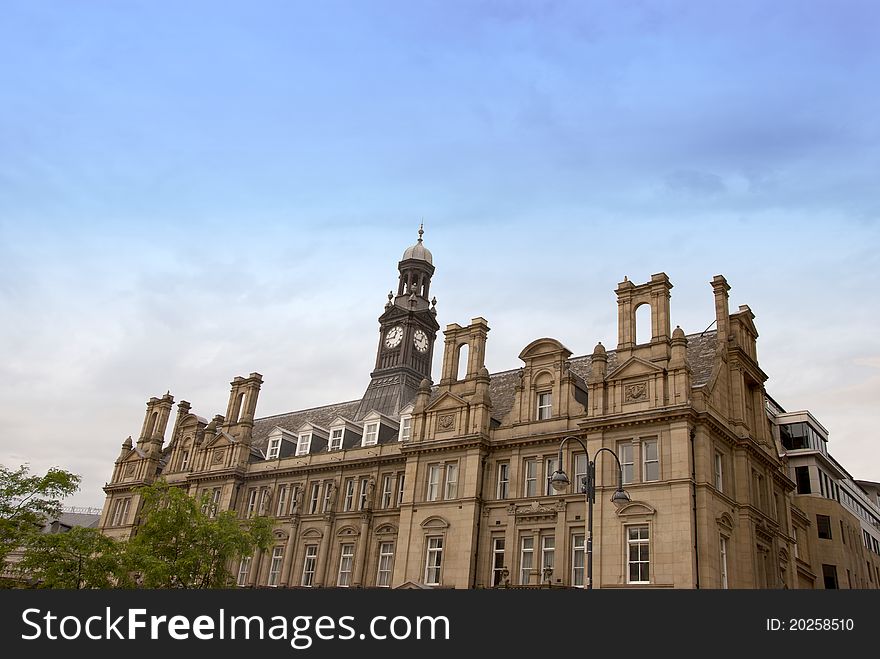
(407, 330)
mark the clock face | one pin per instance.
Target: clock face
(420, 341)
(393, 337)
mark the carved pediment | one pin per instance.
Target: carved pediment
(386, 529)
(311, 533)
(278, 534)
(434, 522)
(221, 440)
(347, 530)
(636, 508)
(544, 346)
(634, 368)
(536, 510)
(446, 401)
(725, 521)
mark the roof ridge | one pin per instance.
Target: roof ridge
(307, 409)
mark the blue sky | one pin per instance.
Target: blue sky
(193, 191)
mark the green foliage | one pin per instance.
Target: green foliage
(26, 502)
(79, 558)
(178, 545)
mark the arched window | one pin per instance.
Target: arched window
(643, 331)
(463, 355)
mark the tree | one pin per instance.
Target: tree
(27, 502)
(178, 545)
(79, 558)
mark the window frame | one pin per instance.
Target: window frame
(502, 485)
(345, 560)
(275, 566)
(655, 441)
(639, 542)
(335, 443)
(389, 568)
(525, 570)
(530, 483)
(273, 450)
(437, 553)
(310, 559)
(544, 405)
(371, 430)
(303, 443)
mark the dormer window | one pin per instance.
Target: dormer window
(274, 448)
(371, 434)
(303, 443)
(336, 439)
(405, 428)
(545, 405)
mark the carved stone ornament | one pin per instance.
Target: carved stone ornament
(633, 393)
(446, 422)
(218, 456)
(534, 511)
(129, 470)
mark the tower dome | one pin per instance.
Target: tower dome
(418, 251)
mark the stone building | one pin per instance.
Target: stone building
(447, 484)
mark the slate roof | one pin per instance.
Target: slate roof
(502, 388)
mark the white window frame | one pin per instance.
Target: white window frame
(314, 497)
(251, 508)
(641, 543)
(303, 443)
(401, 477)
(386, 564)
(548, 554)
(450, 490)
(244, 569)
(550, 467)
(530, 482)
(275, 566)
(214, 506)
(502, 484)
(335, 443)
(387, 491)
(544, 405)
(371, 434)
(310, 562)
(626, 451)
(120, 511)
(646, 461)
(580, 472)
(433, 560)
(433, 492)
(362, 495)
(498, 566)
(346, 563)
(274, 448)
(719, 471)
(526, 559)
(282, 501)
(184, 460)
(724, 573)
(328, 490)
(405, 432)
(578, 561)
(264, 498)
(348, 504)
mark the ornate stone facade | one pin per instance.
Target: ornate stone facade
(447, 485)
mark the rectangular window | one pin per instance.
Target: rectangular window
(548, 557)
(530, 484)
(215, 502)
(578, 553)
(802, 477)
(637, 555)
(309, 563)
(719, 472)
(434, 560)
(498, 568)
(336, 439)
(120, 512)
(650, 461)
(274, 448)
(313, 500)
(526, 559)
(823, 526)
(579, 484)
(364, 491)
(400, 483)
(251, 503)
(386, 562)
(434, 482)
(244, 569)
(349, 495)
(723, 562)
(328, 491)
(371, 434)
(545, 406)
(550, 467)
(303, 443)
(264, 501)
(451, 481)
(387, 491)
(280, 509)
(829, 576)
(184, 461)
(503, 482)
(294, 499)
(275, 566)
(842, 532)
(346, 558)
(625, 453)
(405, 429)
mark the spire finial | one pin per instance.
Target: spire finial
(421, 229)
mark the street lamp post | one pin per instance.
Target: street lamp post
(560, 482)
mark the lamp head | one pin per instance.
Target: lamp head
(620, 496)
(559, 481)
